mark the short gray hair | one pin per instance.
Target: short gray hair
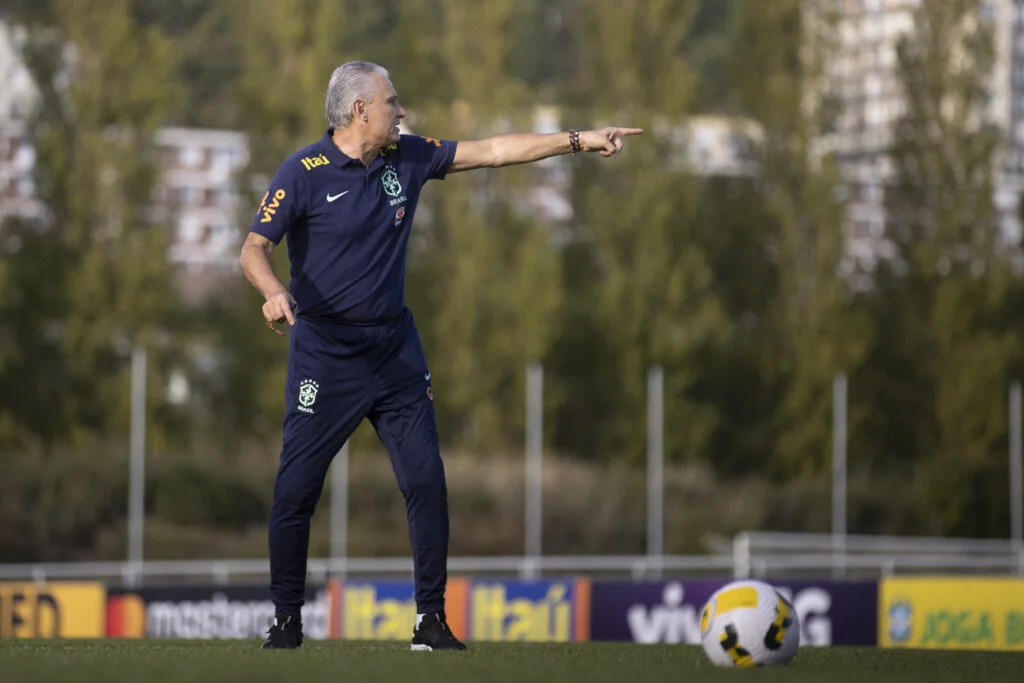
(349, 82)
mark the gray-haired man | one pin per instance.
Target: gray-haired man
(346, 205)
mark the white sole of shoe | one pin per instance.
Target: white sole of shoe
(421, 648)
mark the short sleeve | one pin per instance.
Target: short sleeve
(435, 155)
(282, 205)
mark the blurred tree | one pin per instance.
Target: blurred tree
(483, 272)
(642, 291)
(406, 38)
(11, 350)
(91, 280)
(741, 375)
(950, 292)
(287, 52)
(813, 327)
(711, 50)
(210, 45)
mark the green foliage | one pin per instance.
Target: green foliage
(91, 279)
(190, 494)
(642, 291)
(799, 326)
(483, 274)
(289, 51)
(952, 286)
(737, 286)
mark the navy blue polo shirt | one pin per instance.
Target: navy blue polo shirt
(348, 224)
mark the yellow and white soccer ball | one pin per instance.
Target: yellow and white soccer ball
(749, 623)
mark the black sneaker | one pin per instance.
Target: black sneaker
(432, 633)
(285, 633)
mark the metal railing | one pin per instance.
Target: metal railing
(224, 571)
(757, 553)
(763, 555)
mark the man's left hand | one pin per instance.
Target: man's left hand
(607, 141)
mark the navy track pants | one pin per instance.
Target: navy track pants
(339, 374)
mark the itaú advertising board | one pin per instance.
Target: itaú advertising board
(954, 613)
(480, 609)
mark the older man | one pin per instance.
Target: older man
(346, 204)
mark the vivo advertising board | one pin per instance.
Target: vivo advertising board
(831, 613)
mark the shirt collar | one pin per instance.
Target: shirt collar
(336, 156)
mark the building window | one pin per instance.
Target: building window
(190, 157)
(862, 229)
(222, 195)
(224, 157)
(870, 193)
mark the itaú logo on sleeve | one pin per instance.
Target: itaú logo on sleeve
(309, 163)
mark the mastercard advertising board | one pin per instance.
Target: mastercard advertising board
(209, 612)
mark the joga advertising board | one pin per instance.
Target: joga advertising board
(978, 613)
(831, 613)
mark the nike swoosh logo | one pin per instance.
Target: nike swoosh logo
(332, 197)
(427, 376)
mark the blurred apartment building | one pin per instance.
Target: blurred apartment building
(17, 95)
(863, 75)
(199, 196)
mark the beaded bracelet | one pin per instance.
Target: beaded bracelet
(574, 141)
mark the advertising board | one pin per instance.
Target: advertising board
(830, 613)
(978, 613)
(52, 610)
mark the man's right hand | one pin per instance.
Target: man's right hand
(279, 308)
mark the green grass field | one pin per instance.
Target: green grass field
(344, 661)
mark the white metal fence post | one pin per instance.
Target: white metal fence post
(655, 465)
(339, 506)
(137, 458)
(839, 476)
(533, 512)
(1016, 475)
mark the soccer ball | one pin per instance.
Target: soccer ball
(749, 623)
